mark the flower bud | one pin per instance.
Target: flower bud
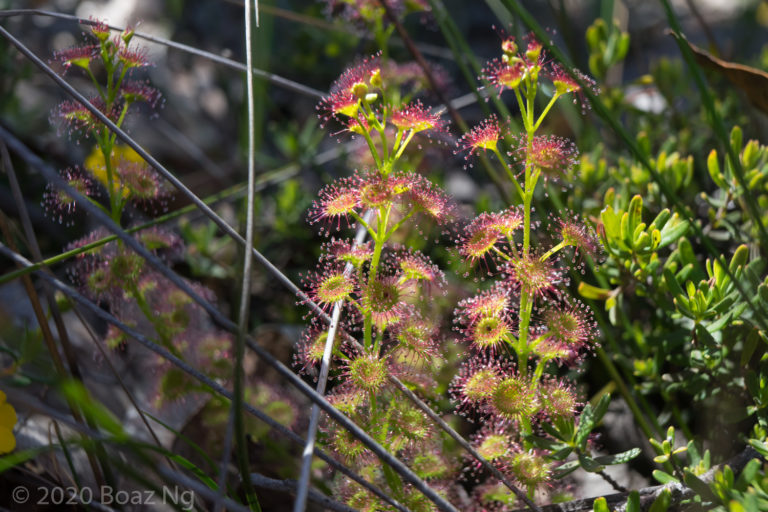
(533, 52)
(360, 90)
(127, 35)
(376, 80)
(509, 47)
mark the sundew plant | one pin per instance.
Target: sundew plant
(418, 300)
(525, 323)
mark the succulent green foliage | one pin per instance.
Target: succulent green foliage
(569, 436)
(607, 46)
(625, 236)
(634, 247)
(711, 298)
(708, 330)
(753, 157)
(720, 489)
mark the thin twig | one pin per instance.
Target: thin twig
(616, 485)
(121, 383)
(704, 26)
(325, 365)
(241, 446)
(290, 486)
(226, 454)
(270, 77)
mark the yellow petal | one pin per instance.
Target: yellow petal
(7, 441)
(7, 416)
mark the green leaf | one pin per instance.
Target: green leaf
(673, 230)
(672, 284)
(762, 292)
(698, 485)
(656, 239)
(750, 344)
(586, 423)
(721, 278)
(713, 166)
(589, 464)
(661, 504)
(656, 446)
(562, 453)
(624, 230)
(618, 458)
(543, 442)
(92, 409)
(565, 469)
(664, 478)
(21, 456)
(751, 154)
(635, 211)
(759, 446)
(739, 258)
(662, 218)
(704, 337)
(199, 473)
(551, 430)
(622, 47)
(593, 292)
(611, 223)
(602, 407)
(633, 502)
(600, 505)
(737, 139)
(748, 474)
(685, 249)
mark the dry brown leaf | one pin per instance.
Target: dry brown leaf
(753, 81)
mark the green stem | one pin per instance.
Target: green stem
(96, 84)
(539, 371)
(530, 94)
(508, 169)
(523, 110)
(553, 250)
(384, 145)
(379, 242)
(501, 253)
(397, 226)
(526, 307)
(362, 222)
(545, 111)
(527, 198)
(151, 316)
(372, 147)
(396, 144)
(379, 239)
(403, 145)
(119, 122)
(123, 71)
(106, 151)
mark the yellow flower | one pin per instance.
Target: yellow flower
(7, 422)
(94, 163)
